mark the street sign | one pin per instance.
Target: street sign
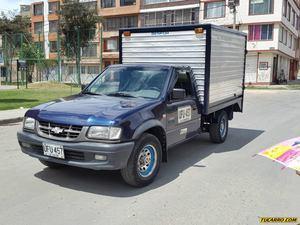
(21, 65)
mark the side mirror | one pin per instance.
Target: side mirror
(178, 94)
(83, 86)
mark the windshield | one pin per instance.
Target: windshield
(145, 82)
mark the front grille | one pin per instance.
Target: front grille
(61, 131)
(69, 155)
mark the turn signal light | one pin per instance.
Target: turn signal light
(127, 33)
(199, 30)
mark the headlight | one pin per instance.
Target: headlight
(108, 133)
(29, 123)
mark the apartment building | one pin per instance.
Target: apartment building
(272, 27)
(116, 14)
(45, 22)
(273, 35)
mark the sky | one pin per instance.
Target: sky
(6, 5)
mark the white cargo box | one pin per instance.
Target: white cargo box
(216, 54)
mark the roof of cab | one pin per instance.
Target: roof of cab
(162, 66)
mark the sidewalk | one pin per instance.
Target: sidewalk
(7, 87)
(11, 116)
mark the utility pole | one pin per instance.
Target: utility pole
(232, 6)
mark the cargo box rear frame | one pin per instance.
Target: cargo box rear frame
(204, 93)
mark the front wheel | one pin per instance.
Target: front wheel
(144, 162)
(218, 131)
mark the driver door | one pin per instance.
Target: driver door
(183, 120)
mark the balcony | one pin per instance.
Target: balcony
(151, 4)
(119, 7)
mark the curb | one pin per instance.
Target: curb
(12, 120)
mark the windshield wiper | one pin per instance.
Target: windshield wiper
(90, 93)
(121, 94)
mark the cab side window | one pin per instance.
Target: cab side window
(184, 82)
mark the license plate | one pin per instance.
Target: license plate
(56, 151)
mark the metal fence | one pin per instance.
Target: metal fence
(51, 59)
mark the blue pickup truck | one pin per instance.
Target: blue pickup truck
(130, 115)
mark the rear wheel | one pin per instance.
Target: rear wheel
(144, 162)
(51, 165)
(218, 131)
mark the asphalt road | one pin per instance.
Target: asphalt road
(202, 183)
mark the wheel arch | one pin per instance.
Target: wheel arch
(157, 129)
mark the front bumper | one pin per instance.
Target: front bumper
(80, 154)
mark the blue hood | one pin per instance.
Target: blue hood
(89, 110)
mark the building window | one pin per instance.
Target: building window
(71, 70)
(290, 43)
(174, 17)
(53, 7)
(53, 46)
(214, 10)
(148, 2)
(38, 9)
(108, 3)
(39, 46)
(111, 45)
(284, 5)
(38, 27)
(127, 2)
(280, 34)
(293, 17)
(82, 69)
(53, 25)
(258, 7)
(295, 45)
(288, 13)
(93, 69)
(284, 36)
(260, 32)
(115, 23)
(90, 50)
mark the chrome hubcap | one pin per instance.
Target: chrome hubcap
(147, 161)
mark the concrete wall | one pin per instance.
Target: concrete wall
(265, 76)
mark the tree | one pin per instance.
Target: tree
(33, 56)
(78, 25)
(15, 24)
(14, 30)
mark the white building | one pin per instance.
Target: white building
(273, 35)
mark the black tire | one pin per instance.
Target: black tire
(217, 132)
(51, 165)
(132, 174)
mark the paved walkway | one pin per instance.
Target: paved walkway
(11, 116)
(7, 87)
